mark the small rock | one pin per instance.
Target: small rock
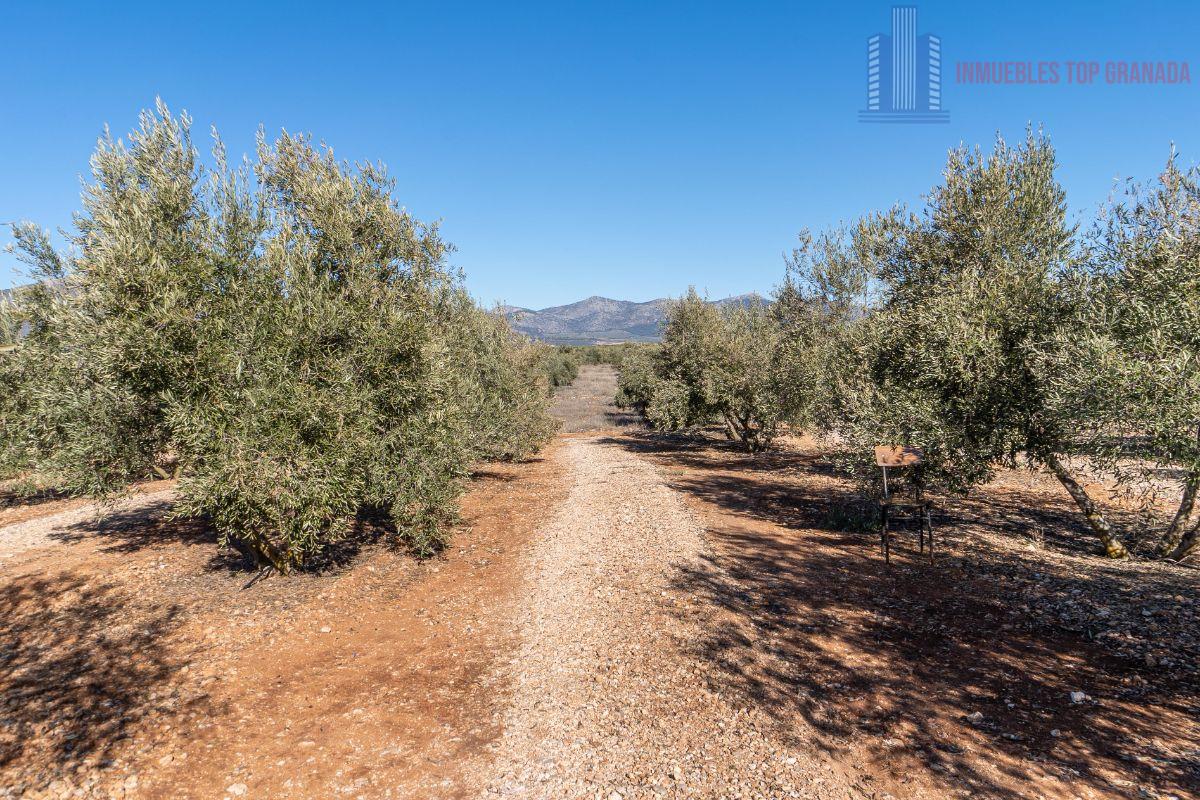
(236, 789)
(1078, 697)
(1056, 733)
(975, 718)
(326, 629)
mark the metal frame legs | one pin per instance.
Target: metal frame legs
(924, 531)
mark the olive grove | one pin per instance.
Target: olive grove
(982, 327)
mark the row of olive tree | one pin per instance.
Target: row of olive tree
(560, 365)
(1131, 368)
(715, 365)
(986, 329)
(281, 335)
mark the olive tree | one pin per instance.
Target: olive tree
(715, 365)
(959, 345)
(636, 378)
(560, 364)
(823, 309)
(10, 322)
(282, 335)
(744, 379)
(1133, 364)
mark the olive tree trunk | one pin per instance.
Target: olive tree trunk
(1174, 536)
(1189, 544)
(1113, 547)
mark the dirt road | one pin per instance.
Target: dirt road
(606, 700)
(587, 403)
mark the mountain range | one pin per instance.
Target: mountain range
(599, 320)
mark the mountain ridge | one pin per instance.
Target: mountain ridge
(600, 320)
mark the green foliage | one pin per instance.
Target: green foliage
(969, 298)
(824, 308)
(612, 354)
(714, 365)
(560, 365)
(282, 332)
(680, 397)
(636, 378)
(947, 327)
(10, 322)
(1130, 367)
(507, 389)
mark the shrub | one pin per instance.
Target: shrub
(612, 354)
(286, 337)
(560, 365)
(508, 390)
(636, 378)
(714, 365)
(744, 381)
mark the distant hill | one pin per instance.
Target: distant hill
(598, 320)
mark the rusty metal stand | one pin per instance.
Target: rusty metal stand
(921, 509)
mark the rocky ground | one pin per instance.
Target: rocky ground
(626, 616)
(606, 699)
(1017, 664)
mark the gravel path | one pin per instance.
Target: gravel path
(606, 702)
(52, 528)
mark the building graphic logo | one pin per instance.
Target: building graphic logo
(904, 74)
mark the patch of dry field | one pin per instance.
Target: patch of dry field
(135, 665)
(586, 405)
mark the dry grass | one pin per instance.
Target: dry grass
(587, 404)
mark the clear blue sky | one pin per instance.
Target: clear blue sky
(579, 148)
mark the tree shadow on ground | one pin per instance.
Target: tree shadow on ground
(1047, 517)
(617, 418)
(152, 524)
(79, 670)
(805, 620)
(10, 498)
(130, 529)
(493, 472)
